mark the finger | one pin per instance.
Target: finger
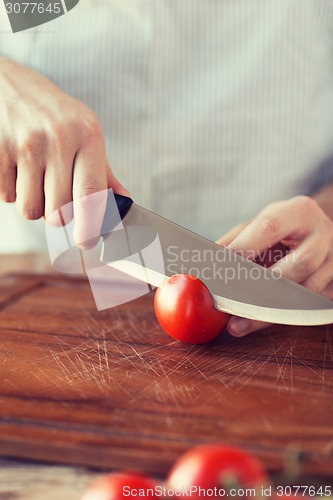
(321, 279)
(30, 190)
(239, 327)
(268, 229)
(7, 182)
(89, 193)
(299, 264)
(116, 186)
(328, 291)
(58, 184)
(231, 235)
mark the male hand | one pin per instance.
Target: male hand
(52, 151)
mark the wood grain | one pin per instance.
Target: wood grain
(110, 390)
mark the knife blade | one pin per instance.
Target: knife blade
(152, 248)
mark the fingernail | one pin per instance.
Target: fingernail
(239, 325)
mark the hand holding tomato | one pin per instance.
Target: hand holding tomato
(305, 228)
(185, 309)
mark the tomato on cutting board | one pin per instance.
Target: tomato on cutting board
(216, 466)
(185, 310)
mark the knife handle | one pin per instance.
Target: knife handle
(111, 218)
(123, 203)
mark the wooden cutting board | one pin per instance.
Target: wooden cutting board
(111, 390)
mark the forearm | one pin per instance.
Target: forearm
(324, 198)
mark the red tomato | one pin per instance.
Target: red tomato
(119, 486)
(216, 466)
(185, 310)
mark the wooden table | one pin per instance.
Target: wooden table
(110, 390)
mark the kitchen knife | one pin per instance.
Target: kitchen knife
(152, 248)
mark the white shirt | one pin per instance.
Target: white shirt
(210, 108)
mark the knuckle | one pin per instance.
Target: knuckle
(56, 130)
(30, 213)
(85, 197)
(269, 227)
(88, 190)
(5, 149)
(306, 204)
(31, 143)
(90, 200)
(90, 128)
(307, 263)
(8, 196)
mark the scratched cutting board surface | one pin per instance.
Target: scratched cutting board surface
(110, 390)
